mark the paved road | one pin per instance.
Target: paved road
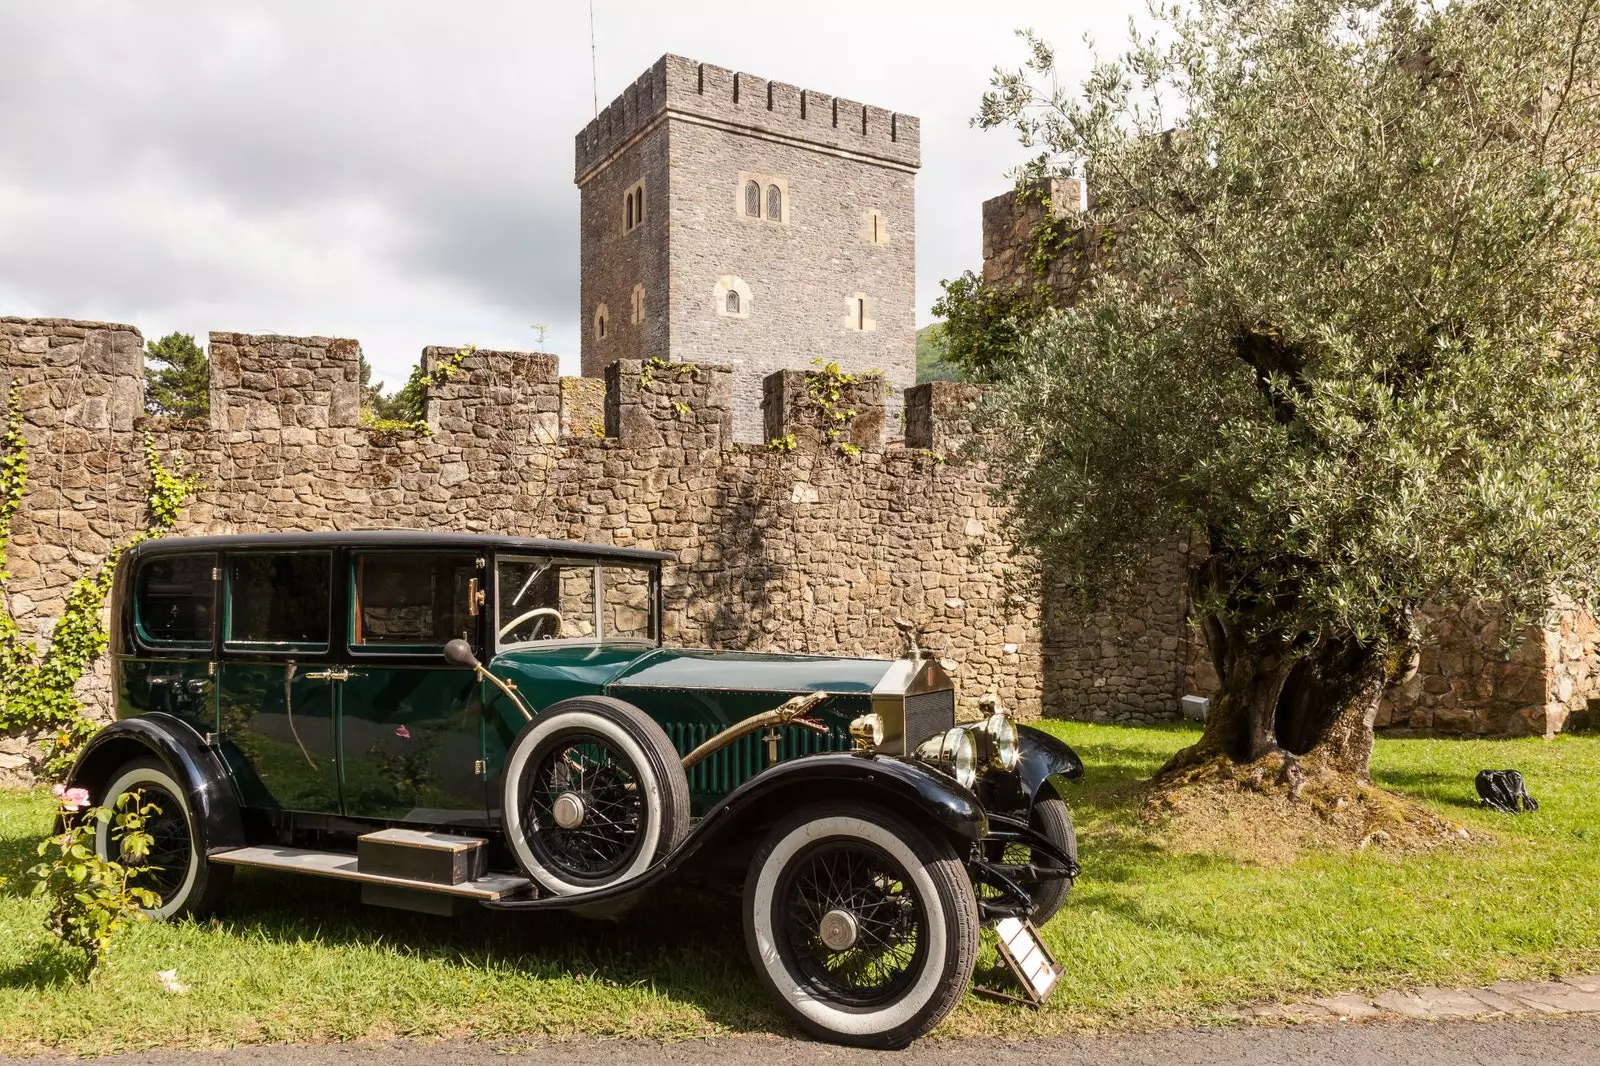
(1570, 1041)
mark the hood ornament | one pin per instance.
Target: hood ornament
(908, 633)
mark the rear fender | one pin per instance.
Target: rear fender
(184, 753)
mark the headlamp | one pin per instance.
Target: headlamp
(955, 752)
(1003, 731)
(867, 731)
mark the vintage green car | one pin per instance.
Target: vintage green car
(454, 719)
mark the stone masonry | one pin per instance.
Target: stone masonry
(809, 551)
(829, 275)
(1134, 660)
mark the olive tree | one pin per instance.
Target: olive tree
(1339, 327)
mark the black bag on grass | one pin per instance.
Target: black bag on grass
(1504, 790)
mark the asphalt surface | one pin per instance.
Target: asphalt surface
(1569, 1041)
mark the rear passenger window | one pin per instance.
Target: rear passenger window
(412, 599)
(174, 600)
(281, 598)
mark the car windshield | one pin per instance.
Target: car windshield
(547, 598)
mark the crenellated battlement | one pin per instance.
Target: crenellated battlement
(706, 92)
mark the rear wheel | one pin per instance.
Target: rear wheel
(178, 874)
(863, 928)
(594, 795)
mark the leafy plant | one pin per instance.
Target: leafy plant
(405, 410)
(826, 386)
(92, 899)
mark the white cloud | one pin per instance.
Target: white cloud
(400, 171)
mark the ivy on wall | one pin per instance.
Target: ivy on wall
(36, 688)
(826, 387)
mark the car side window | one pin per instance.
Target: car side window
(280, 600)
(174, 600)
(411, 599)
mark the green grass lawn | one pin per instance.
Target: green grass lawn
(1147, 937)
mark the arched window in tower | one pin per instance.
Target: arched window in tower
(774, 203)
(633, 207)
(731, 297)
(600, 323)
(752, 199)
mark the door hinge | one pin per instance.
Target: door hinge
(331, 675)
(216, 573)
(480, 767)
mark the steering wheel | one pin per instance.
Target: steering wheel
(537, 612)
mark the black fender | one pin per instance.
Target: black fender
(205, 781)
(930, 798)
(1041, 759)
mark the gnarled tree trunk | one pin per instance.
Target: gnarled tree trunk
(1308, 694)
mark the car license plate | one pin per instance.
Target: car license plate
(1031, 962)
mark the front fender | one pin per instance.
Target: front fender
(207, 788)
(1041, 758)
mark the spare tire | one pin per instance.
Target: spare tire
(594, 795)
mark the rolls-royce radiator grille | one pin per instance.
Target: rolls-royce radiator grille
(928, 713)
(731, 767)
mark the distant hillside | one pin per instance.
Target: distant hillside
(932, 361)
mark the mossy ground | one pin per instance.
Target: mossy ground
(1162, 928)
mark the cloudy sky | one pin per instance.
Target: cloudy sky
(400, 172)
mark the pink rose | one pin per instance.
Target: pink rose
(402, 732)
(72, 799)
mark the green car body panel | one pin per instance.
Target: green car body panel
(693, 694)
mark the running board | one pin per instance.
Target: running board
(342, 867)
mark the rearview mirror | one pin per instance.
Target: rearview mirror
(459, 653)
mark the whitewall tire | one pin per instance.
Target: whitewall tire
(593, 795)
(863, 928)
(185, 881)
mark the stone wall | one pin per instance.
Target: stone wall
(810, 551)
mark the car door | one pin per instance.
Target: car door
(276, 692)
(411, 725)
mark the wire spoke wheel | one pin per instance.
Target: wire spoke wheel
(581, 806)
(881, 921)
(170, 848)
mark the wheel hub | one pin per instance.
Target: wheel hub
(567, 810)
(839, 930)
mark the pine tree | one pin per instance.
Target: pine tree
(177, 377)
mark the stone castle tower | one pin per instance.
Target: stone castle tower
(730, 219)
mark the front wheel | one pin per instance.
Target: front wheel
(178, 872)
(862, 928)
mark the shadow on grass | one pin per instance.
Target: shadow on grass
(687, 945)
(47, 968)
(1436, 787)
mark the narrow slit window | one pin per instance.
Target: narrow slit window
(861, 313)
(752, 199)
(774, 203)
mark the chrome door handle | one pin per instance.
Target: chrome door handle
(331, 675)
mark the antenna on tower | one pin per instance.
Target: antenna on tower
(594, 77)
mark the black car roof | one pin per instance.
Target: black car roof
(394, 538)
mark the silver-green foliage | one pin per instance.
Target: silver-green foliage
(1342, 320)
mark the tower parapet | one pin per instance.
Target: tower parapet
(718, 95)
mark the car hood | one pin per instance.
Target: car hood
(682, 668)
